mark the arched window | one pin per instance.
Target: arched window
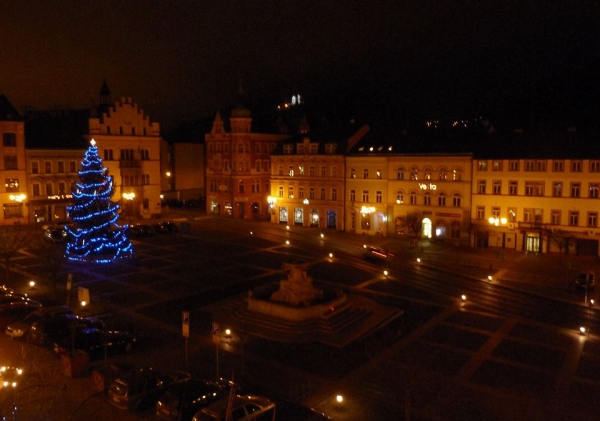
(400, 173)
(414, 173)
(428, 171)
(456, 175)
(400, 197)
(443, 173)
(442, 199)
(413, 197)
(427, 199)
(456, 200)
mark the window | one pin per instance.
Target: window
(280, 170)
(558, 166)
(47, 167)
(513, 187)
(400, 197)
(555, 217)
(36, 189)
(127, 154)
(314, 147)
(323, 193)
(352, 173)
(257, 164)
(534, 188)
(400, 173)
(288, 149)
(427, 173)
(496, 186)
(528, 215)
(255, 186)
(257, 148)
(301, 169)
(482, 165)
(529, 165)
(496, 165)
(378, 173)
(366, 173)
(575, 189)
(35, 167)
(280, 191)
(540, 165)
(108, 154)
(512, 214)
(144, 154)
(413, 197)
(61, 188)
(574, 218)
(456, 200)
(442, 199)
(594, 166)
(333, 194)
(353, 195)
(13, 210)
(456, 175)
(311, 171)
(592, 219)
(290, 192)
(557, 189)
(49, 189)
(311, 193)
(300, 149)
(594, 190)
(481, 187)
(480, 212)
(291, 171)
(378, 196)
(513, 165)
(10, 163)
(443, 174)
(414, 173)
(539, 188)
(575, 166)
(323, 171)
(496, 211)
(240, 187)
(12, 185)
(334, 171)
(61, 167)
(427, 199)
(365, 196)
(301, 192)
(72, 167)
(330, 148)
(9, 139)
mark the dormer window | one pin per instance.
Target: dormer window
(288, 149)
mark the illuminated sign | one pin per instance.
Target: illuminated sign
(60, 196)
(427, 186)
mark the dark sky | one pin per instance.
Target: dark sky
(182, 60)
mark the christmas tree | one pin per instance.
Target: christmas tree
(96, 236)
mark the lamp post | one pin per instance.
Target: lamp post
(272, 200)
(129, 197)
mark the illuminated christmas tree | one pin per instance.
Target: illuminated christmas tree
(96, 236)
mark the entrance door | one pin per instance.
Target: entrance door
(426, 226)
(532, 244)
(331, 219)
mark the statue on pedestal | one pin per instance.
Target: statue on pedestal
(298, 289)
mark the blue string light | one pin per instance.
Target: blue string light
(97, 237)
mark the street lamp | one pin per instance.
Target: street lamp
(129, 197)
(496, 220)
(272, 200)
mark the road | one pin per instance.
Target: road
(501, 353)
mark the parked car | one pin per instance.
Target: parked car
(376, 253)
(94, 341)
(183, 400)
(244, 408)
(139, 230)
(21, 328)
(585, 281)
(12, 312)
(291, 411)
(140, 389)
(46, 331)
(12, 297)
(5, 289)
(56, 235)
(167, 227)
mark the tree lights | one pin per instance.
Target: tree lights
(96, 237)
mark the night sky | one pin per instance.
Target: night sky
(527, 62)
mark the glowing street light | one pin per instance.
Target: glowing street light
(129, 197)
(495, 220)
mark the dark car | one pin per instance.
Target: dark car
(21, 328)
(376, 253)
(12, 312)
(139, 230)
(46, 331)
(291, 411)
(56, 235)
(13, 297)
(585, 281)
(183, 400)
(167, 227)
(140, 389)
(94, 342)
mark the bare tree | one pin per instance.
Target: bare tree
(52, 257)
(12, 239)
(561, 239)
(414, 222)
